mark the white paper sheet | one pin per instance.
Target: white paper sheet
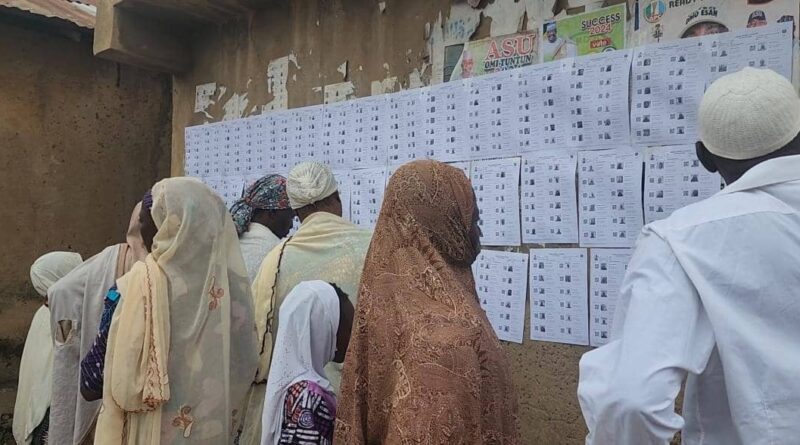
(548, 92)
(366, 196)
(307, 134)
(393, 128)
(344, 181)
(559, 295)
(364, 117)
(763, 47)
(228, 188)
(607, 270)
(598, 100)
(222, 150)
(412, 136)
(233, 148)
(674, 178)
(327, 154)
(610, 197)
(502, 284)
(254, 153)
(527, 133)
(497, 99)
(433, 128)
(549, 198)
(280, 141)
(496, 186)
(215, 183)
(445, 124)
(342, 126)
(194, 151)
(475, 118)
(667, 86)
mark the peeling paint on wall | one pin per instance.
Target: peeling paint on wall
(204, 97)
(235, 107)
(387, 85)
(293, 58)
(415, 79)
(277, 76)
(338, 92)
(507, 16)
(435, 50)
(538, 11)
(461, 24)
(343, 70)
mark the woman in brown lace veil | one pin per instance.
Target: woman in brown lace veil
(424, 365)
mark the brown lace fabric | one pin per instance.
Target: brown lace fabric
(424, 365)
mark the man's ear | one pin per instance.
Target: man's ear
(705, 157)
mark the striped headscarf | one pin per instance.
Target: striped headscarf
(268, 193)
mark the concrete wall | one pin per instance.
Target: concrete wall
(314, 39)
(80, 140)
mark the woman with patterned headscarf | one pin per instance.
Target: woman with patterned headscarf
(181, 347)
(262, 217)
(31, 419)
(424, 365)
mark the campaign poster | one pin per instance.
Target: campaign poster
(666, 20)
(491, 55)
(582, 34)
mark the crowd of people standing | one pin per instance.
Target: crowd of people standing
(215, 326)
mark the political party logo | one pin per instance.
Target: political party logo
(654, 10)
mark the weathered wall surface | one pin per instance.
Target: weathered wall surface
(80, 140)
(240, 68)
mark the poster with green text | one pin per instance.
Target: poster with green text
(587, 33)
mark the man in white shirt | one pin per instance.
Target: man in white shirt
(712, 292)
(262, 217)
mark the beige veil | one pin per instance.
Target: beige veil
(182, 345)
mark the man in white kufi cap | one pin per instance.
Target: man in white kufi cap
(711, 293)
(326, 247)
(311, 184)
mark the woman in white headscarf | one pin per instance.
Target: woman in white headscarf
(182, 345)
(76, 303)
(300, 405)
(36, 369)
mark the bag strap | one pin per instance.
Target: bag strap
(271, 313)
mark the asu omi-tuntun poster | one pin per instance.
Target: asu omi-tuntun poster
(665, 20)
(582, 34)
(491, 55)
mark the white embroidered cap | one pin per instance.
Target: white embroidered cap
(749, 114)
(309, 182)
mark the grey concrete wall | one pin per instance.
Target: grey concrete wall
(80, 140)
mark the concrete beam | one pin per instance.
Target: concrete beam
(125, 36)
(191, 12)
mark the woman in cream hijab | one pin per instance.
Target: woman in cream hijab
(36, 369)
(182, 345)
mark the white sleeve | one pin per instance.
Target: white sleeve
(627, 388)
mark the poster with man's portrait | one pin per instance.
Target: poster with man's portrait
(665, 20)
